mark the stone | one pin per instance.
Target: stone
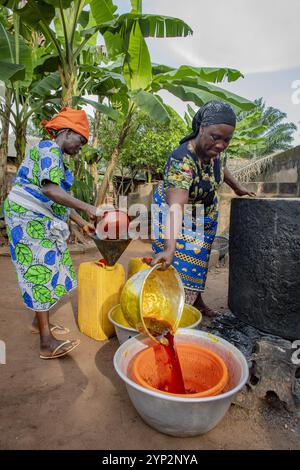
(213, 259)
(226, 260)
(288, 188)
(264, 264)
(270, 188)
(273, 372)
(274, 366)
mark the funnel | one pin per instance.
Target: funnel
(111, 250)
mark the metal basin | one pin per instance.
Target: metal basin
(177, 416)
(124, 331)
(152, 301)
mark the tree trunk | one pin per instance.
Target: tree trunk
(20, 142)
(113, 161)
(93, 168)
(69, 86)
(96, 125)
(108, 175)
(4, 144)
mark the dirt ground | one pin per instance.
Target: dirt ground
(79, 402)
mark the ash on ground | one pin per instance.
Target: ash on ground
(274, 372)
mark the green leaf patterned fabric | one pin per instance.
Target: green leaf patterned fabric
(56, 151)
(45, 162)
(6, 207)
(59, 209)
(60, 290)
(67, 260)
(36, 169)
(44, 267)
(72, 273)
(42, 294)
(55, 175)
(46, 243)
(34, 180)
(34, 154)
(8, 231)
(17, 208)
(38, 274)
(23, 254)
(35, 229)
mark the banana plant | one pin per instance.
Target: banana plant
(131, 88)
(5, 106)
(29, 90)
(5, 109)
(70, 28)
(131, 84)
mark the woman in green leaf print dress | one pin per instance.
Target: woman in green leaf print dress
(36, 212)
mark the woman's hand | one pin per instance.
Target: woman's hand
(242, 191)
(91, 212)
(235, 185)
(88, 229)
(164, 257)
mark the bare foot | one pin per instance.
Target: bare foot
(204, 309)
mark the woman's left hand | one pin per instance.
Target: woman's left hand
(88, 229)
(242, 191)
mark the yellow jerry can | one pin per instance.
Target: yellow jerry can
(138, 264)
(99, 289)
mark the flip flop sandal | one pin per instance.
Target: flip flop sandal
(56, 352)
(58, 329)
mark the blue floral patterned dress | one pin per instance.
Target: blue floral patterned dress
(44, 268)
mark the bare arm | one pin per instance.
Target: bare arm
(176, 199)
(87, 228)
(235, 185)
(77, 219)
(57, 194)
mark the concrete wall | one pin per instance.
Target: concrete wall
(280, 179)
(285, 168)
(143, 195)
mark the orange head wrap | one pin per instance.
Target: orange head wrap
(68, 118)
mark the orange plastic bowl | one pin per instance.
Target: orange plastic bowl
(204, 372)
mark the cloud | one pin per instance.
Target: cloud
(251, 35)
(258, 37)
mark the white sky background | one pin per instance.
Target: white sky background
(261, 38)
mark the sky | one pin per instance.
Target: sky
(260, 38)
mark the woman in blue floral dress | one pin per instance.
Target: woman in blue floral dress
(36, 212)
(192, 176)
